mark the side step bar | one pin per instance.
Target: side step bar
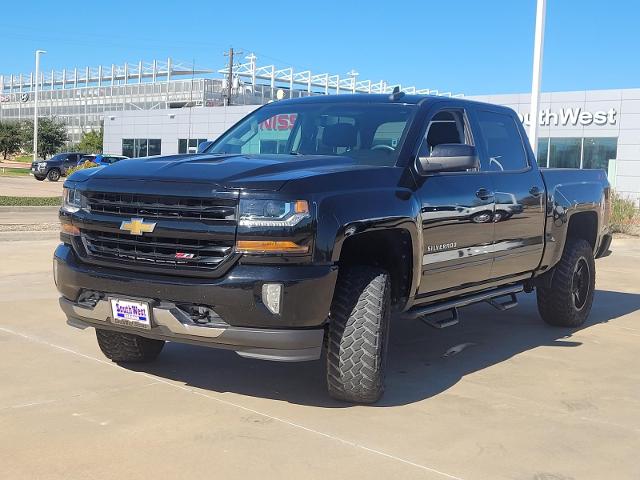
(489, 296)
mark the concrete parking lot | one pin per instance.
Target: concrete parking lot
(521, 400)
(28, 186)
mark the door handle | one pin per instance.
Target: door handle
(484, 194)
(535, 191)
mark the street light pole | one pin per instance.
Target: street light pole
(35, 106)
(541, 12)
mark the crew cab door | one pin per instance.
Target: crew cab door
(519, 192)
(456, 211)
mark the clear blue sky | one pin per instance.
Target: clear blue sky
(469, 46)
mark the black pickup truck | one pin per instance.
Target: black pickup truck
(318, 222)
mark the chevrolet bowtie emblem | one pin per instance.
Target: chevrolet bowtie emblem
(137, 226)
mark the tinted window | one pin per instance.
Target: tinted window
(598, 151)
(564, 152)
(127, 147)
(154, 146)
(502, 141)
(447, 126)
(371, 134)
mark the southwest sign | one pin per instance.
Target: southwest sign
(572, 117)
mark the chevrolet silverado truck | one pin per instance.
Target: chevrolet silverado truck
(314, 224)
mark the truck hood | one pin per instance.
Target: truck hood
(259, 172)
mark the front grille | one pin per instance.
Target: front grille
(192, 235)
(151, 250)
(155, 206)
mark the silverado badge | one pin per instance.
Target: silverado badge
(137, 226)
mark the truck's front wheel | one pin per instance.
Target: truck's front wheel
(126, 347)
(566, 302)
(358, 334)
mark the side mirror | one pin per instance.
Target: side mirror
(203, 146)
(449, 157)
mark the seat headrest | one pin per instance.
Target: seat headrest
(443, 132)
(340, 135)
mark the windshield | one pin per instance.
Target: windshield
(371, 134)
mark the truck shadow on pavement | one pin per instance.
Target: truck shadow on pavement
(418, 368)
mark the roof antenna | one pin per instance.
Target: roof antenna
(396, 94)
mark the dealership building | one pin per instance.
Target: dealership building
(168, 107)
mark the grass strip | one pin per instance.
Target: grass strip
(30, 201)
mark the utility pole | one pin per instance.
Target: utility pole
(35, 105)
(229, 77)
(230, 54)
(538, 47)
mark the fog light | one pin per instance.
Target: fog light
(272, 296)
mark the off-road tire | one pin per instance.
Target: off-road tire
(558, 304)
(358, 334)
(54, 175)
(126, 347)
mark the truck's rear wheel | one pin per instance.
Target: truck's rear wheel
(566, 302)
(126, 347)
(358, 334)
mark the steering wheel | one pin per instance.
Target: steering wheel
(382, 146)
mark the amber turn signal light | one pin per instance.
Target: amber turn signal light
(301, 206)
(69, 229)
(268, 246)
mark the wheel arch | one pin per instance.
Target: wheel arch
(391, 249)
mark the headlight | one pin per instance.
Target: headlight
(72, 200)
(272, 213)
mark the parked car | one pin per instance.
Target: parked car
(364, 205)
(55, 167)
(87, 158)
(103, 159)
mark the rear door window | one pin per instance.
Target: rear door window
(502, 142)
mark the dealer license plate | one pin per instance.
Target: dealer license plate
(130, 314)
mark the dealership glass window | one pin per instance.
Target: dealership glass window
(127, 147)
(141, 147)
(597, 152)
(564, 152)
(543, 152)
(154, 145)
(189, 145)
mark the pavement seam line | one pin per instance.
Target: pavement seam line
(238, 406)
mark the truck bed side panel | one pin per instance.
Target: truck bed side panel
(571, 191)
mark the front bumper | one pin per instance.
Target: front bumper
(170, 323)
(247, 326)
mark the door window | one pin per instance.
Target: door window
(447, 126)
(502, 142)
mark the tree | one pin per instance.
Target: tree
(52, 134)
(10, 138)
(91, 142)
